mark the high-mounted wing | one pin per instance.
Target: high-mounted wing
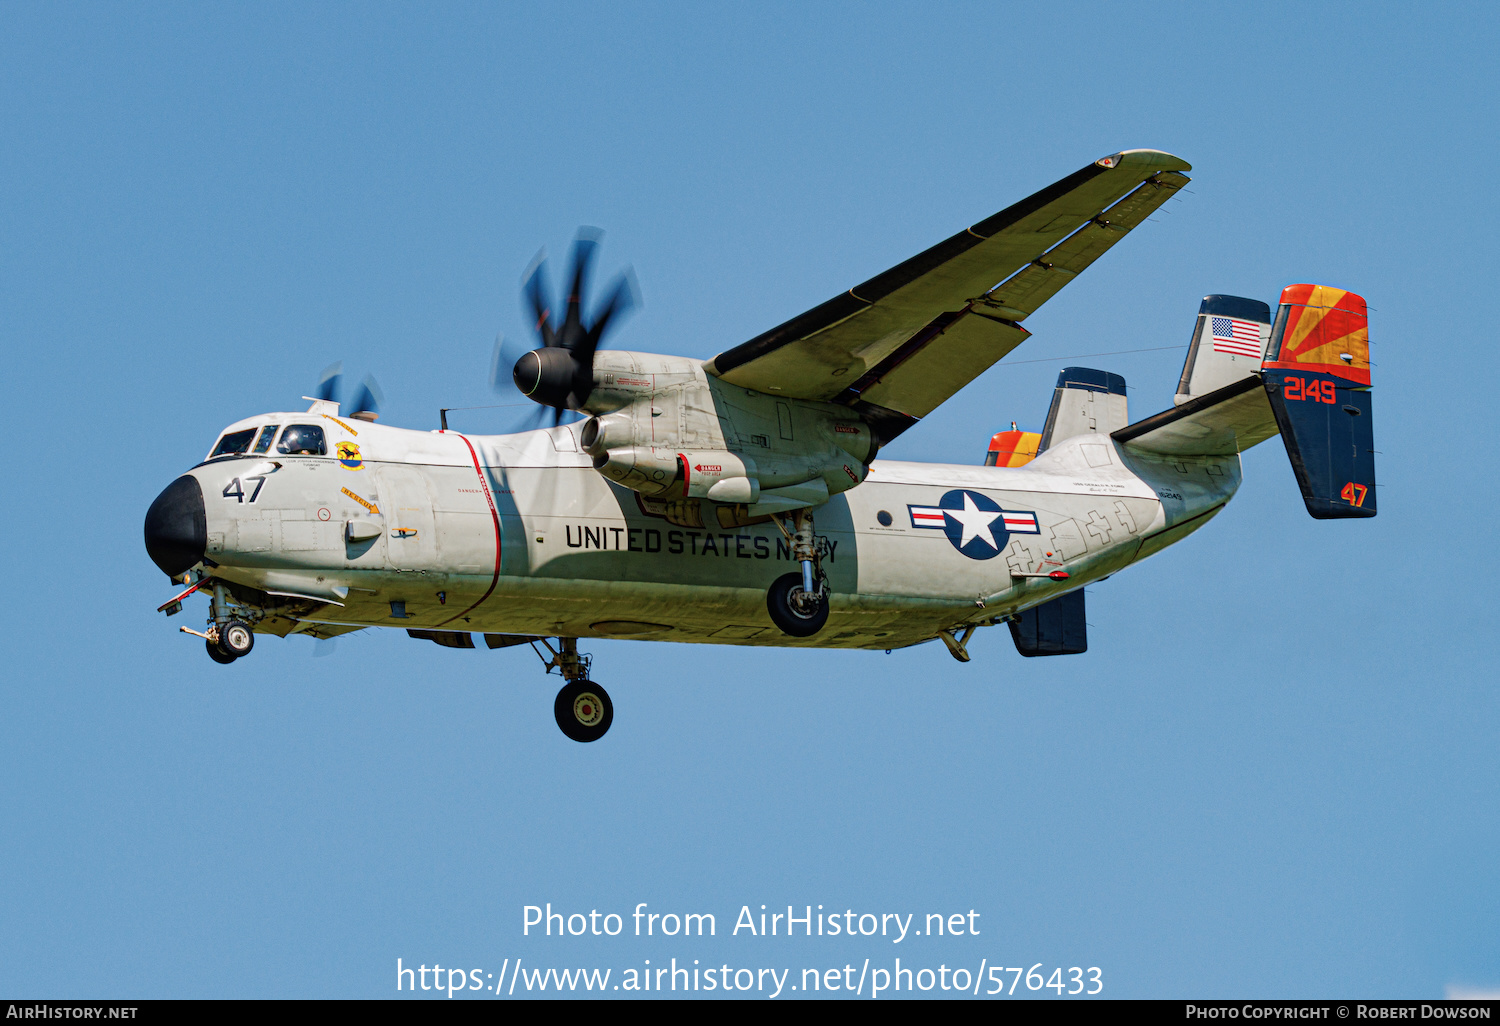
(900, 344)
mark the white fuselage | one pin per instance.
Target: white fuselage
(518, 534)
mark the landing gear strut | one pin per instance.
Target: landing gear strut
(228, 636)
(798, 602)
(582, 708)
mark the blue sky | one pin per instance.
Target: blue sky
(1272, 774)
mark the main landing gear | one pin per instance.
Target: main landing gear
(798, 602)
(582, 708)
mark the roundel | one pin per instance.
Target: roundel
(974, 523)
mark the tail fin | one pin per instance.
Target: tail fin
(1086, 401)
(1318, 380)
(1228, 344)
(1058, 627)
(1012, 448)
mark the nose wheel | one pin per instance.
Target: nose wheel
(236, 639)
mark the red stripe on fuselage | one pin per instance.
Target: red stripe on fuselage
(495, 516)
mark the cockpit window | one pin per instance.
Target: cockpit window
(303, 440)
(264, 441)
(233, 443)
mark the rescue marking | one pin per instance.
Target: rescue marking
(374, 509)
(341, 424)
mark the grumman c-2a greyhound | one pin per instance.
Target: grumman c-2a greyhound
(739, 501)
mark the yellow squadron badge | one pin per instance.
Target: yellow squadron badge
(349, 456)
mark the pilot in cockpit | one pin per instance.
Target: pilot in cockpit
(303, 440)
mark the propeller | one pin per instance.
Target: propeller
(505, 357)
(560, 374)
(366, 404)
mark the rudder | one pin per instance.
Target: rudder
(1318, 381)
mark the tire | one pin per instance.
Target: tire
(236, 638)
(800, 619)
(217, 655)
(583, 710)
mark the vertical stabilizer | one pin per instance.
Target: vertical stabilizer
(1059, 627)
(1318, 381)
(1086, 401)
(1013, 448)
(1229, 342)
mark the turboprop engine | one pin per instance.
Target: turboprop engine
(663, 426)
(672, 430)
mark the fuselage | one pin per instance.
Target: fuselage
(519, 534)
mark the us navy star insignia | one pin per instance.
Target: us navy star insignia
(968, 519)
(975, 521)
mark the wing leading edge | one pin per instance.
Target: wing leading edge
(898, 345)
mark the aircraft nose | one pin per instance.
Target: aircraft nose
(177, 527)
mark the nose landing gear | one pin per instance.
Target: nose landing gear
(582, 708)
(228, 636)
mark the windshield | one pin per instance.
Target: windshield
(232, 443)
(264, 441)
(302, 440)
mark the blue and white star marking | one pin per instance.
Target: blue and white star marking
(975, 525)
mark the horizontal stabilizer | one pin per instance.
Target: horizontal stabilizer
(1222, 423)
(1052, 628)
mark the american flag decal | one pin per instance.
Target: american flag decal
(1235, 337)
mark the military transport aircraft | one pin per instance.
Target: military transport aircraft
(738, 500)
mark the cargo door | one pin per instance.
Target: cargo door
(407, 507)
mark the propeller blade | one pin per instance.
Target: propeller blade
(533, 420)
(369, 398)
(622, 299)
(564, 380)
(534, 288)
(328, 383)
(573, 333)
(502, 363)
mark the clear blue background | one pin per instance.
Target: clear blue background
(1274, 772)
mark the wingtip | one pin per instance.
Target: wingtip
(1145, 160)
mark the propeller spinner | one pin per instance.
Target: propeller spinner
(560, 374)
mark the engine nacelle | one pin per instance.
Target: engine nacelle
(641, 468)
(721, 476)
(695, 438)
